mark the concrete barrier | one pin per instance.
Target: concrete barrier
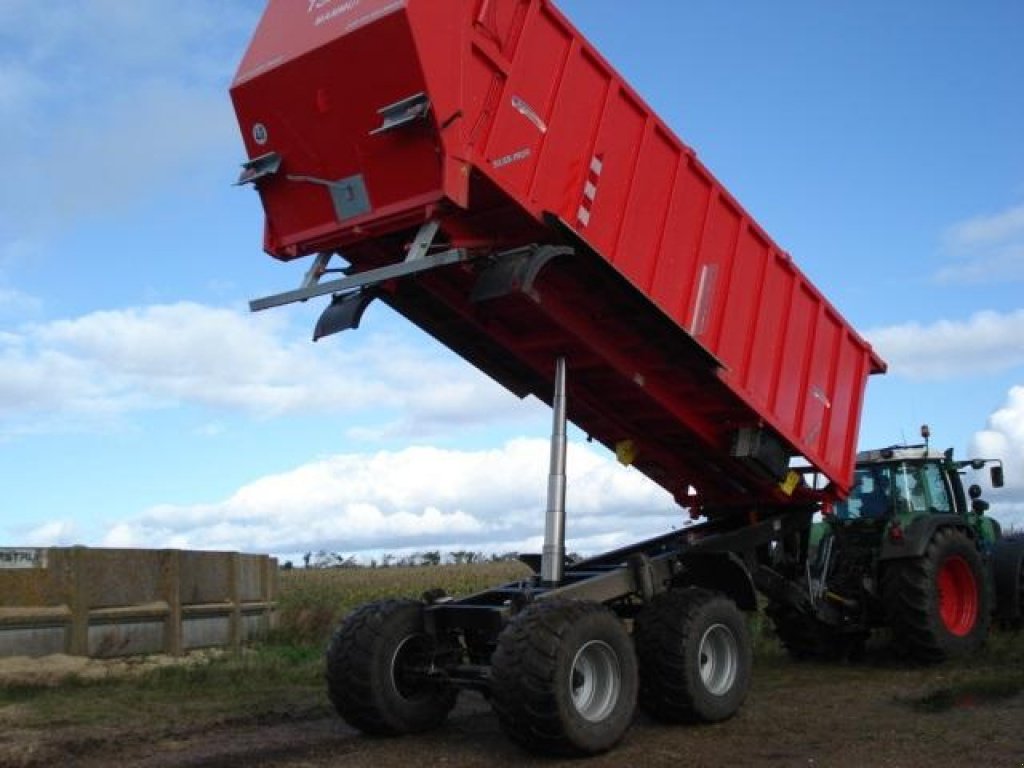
(122, 602)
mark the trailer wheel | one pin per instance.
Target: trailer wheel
(564, 678)
(939, 605)
(695, 656)
(376, 664)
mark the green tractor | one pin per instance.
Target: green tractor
(910, 551)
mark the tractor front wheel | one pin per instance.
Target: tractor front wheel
(939, 605)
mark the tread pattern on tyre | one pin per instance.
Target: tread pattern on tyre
(910, 592)
(523, 670)
(353, 679)
(670, 689)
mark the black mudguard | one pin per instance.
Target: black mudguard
(1008, 570)
(917, 535)
(722, 572)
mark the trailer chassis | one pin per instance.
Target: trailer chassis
(680, 595)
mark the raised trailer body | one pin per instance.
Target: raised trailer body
(697, 347)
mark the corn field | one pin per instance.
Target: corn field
(312, 600)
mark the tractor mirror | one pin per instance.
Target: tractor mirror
(997, 476)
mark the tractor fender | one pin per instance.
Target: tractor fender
(721, 572)
(1008, 571)
(917, 535)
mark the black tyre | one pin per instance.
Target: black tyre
(806, 638)
(939, 605)
(695, 656)
(564, 678)
(376, 671)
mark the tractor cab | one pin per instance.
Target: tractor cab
(901, 482)
(894, 486)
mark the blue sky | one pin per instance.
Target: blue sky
(140, 404)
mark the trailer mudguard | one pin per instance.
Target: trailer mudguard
(721, 572)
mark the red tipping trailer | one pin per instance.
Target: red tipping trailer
(693, 340)
(480, 168)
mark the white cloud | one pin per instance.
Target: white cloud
(107, 364)
(986, 343)
(1003, 438)
(986, 249)
(55, 533)
(419, 497)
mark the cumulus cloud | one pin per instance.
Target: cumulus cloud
(110, 363)
(420, 497)
(985, 343)
(54, 533)
(1003, 438)
(986, 249)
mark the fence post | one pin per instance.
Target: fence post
(173, 626)
(234, 595)
(78, 637)
(269, 595)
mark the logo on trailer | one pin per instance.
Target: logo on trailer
(515, 157)
(260, 134)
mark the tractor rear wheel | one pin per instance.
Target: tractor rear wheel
(695, 656)
(564, 678)
(377, 666)
(939, 605)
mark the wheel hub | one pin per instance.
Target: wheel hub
(595, 681)
(719, 659)
(958, 596)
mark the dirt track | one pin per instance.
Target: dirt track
(796, 716)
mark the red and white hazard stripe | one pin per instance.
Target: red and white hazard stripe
(590, 191)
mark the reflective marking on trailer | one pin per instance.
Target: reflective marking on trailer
(590, 190)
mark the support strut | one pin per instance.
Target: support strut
(552, 564)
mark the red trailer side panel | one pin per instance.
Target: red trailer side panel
(692, 324)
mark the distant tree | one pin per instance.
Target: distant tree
(433, 557)
(306, 558)
(504, 557)
(287, 565)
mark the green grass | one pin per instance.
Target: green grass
(253, 684)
